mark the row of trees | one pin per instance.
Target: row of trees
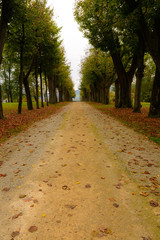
(124, 30)
(33, 56)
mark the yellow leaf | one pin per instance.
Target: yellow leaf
(43, 215)
(77, 182)
(14, 163)
(19, 187)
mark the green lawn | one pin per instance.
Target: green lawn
(14, 106)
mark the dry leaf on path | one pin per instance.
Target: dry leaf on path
(115, 205)
(65, 187)
(17, 215)
(33, 229)
(3, 175)
(144, 194)
(153, 203)
(6, 189)
(14, 234)
(22, 196)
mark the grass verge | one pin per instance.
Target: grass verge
(14, 123)
(150, 127)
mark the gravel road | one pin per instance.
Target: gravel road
(79, 175)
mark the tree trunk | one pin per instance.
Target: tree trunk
(61, 94)
(139, 76)
(6, 84)
(46, 89)
(41, 86)
(36, 80)
(3, 28)
(125, 83)
(52, 91)
(117, 93)
(21, 74)
(107, 90)
(9, 81)
(28, 94)
(154, 110)
(1, 107)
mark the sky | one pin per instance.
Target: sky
(74, 43)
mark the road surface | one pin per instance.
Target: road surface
(79, 175)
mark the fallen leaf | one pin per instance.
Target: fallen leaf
(87, 186)
(17, 215)
(6, 189)
(112, 199)
(71, 206)
(102, 177)
(14, 234)
(1, 162)
(22, 196)
(49, 184)
(105, 230)
(43, 215)
(153, 203)
(33, 229)
(144, 194)
(3, 175)
(145, 172)
(115, 205)
(65, 187)
(77, 182)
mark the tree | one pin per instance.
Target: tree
(6, 14)
(98, 74)
(99, 20)
(147, 16)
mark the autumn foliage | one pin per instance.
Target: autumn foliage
(150, 127)
(14, 123)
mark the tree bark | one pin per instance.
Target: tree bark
(139, 76)
(61, 93)
(125, 83)
(1, 107)
(46, 89)
(21, 76)
(52, 91)
(36, 80)
(117, 93)
(9, 81)
(107, 90)
(3, 29)
(41, 85)
(28, 94)
(154, 110)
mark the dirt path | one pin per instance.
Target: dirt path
(79, 175)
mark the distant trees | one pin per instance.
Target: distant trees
(98, 74)
(125, 29)
(33, 56)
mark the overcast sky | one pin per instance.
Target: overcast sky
(73, 41)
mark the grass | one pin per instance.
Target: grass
(150, 127)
